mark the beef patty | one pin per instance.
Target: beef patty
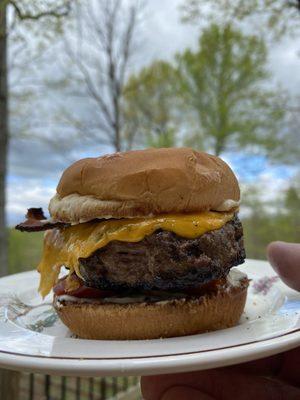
(165, 261)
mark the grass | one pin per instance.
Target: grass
(260, 230)
(24, 249)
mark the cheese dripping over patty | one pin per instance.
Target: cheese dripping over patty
(65, 246)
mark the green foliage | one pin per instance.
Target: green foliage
(149, 103)
(289, 150)
(292, 200)
(272, 18)
(223, 82)
(24, 250)
(261, 229)
(270, 221)
(159, 139)
(219, 90)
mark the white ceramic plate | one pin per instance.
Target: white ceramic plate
(32, 338)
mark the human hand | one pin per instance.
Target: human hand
(272, 378)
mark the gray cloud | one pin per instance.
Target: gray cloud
(35, 165)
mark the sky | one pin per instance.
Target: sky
(34, 168)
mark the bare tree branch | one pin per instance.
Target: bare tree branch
(127, 41)
(106, 46)
(294, 4)
(90, 84)
(57, 12)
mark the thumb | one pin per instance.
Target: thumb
(223, 383)
(285, 259)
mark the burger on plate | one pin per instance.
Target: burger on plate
(149, 239)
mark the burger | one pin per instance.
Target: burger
(148, 240)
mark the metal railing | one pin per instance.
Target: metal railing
(46, 387)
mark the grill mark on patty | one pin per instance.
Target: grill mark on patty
(165, 261)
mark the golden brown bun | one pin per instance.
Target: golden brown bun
(155, 320)
(144, 183)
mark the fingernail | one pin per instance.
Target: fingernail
(185, 393)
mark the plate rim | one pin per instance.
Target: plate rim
(148, 365)
(152, 365)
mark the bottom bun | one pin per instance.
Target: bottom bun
(180, 317)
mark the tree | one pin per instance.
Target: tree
(20, 12)
(272, 17)
(3, 136)
(102, 54)
(292, 204)
(289, 150)
(224, 82)
(150, 106)
(9, 381)
(270, 220)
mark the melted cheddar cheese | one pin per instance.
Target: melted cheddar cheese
(65, 246)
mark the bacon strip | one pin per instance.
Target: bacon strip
(36, 222)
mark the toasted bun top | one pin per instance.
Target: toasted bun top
(144, 183)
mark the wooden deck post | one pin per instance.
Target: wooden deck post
(9, 385)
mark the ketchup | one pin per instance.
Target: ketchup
(82, 291)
